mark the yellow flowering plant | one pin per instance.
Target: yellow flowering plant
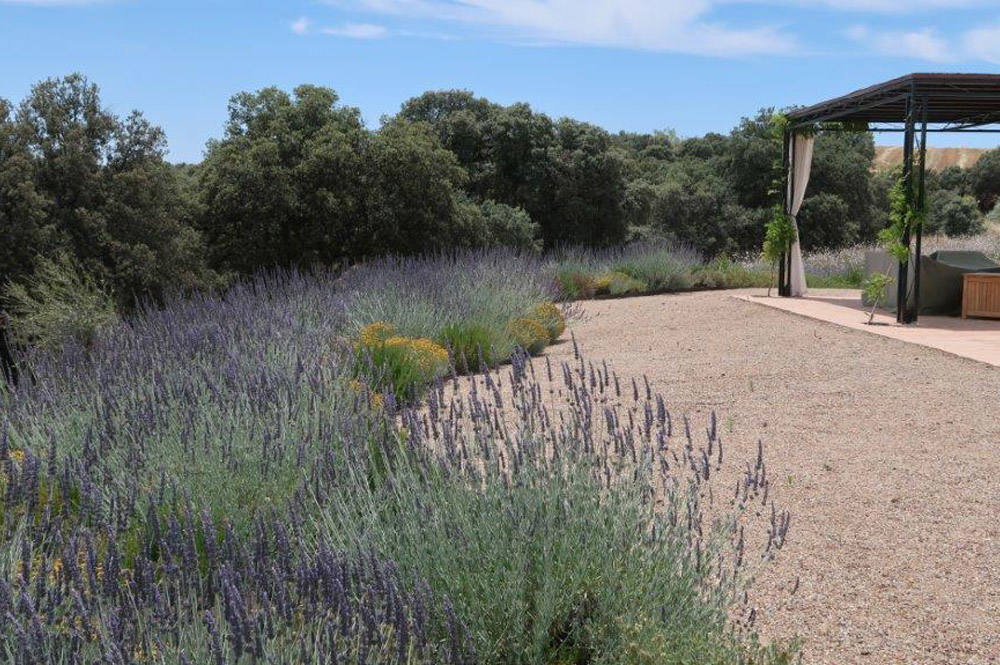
(396, 363)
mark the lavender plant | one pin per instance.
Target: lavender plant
(204, 484)
(571, 518)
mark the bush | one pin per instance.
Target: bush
(574, 283)
(547, 541)
(61, 303)
(509, 226)
(401, 365)
(472, 346)
(953, 214)
(549, 315)
(529, 334)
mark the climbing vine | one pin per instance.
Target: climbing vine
(904, 220)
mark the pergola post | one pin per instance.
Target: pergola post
(785, 288)
(921, 208)
(903, 312)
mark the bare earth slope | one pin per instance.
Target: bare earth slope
(888, 455)
(886, 157)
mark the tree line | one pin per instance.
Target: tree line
(297, 179)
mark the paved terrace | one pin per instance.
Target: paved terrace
(977, 339)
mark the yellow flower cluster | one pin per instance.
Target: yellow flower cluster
(375, 398)
(529, 334)
(617, 283)
(549, 315)
(430, 355)
(377, 332)
(414, 360)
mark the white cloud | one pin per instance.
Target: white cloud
(54, 3)
(924, 44)
(983, 43)
(357, 31)
(300, 26)
(885, 6)
(664, 25)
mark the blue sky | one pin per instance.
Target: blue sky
(690, 65)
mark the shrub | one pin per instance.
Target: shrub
(549, 315)
(575, 284)
(510, 226)
(529, 334)
(546, 540)
(473, 346)
(233, 498)
(953, 215)
(401, 365)
(59, 304)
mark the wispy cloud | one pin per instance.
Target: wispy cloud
(55, 3)
(923, 44)
(884, 6)
(357, 30)
(704, 27)
(301, 25)
(660, 25)
(983, 43)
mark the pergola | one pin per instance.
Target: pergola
(923, 103)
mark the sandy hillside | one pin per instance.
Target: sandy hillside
(887, 157)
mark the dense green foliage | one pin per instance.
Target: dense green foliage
(984, 179)
(60, 302)
(298, 180)
(75, 178)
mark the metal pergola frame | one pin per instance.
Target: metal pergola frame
(928, 103)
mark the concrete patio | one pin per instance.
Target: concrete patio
(976, 339)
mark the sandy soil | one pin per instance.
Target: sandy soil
(887, 454)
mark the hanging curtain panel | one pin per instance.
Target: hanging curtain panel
(801, 164)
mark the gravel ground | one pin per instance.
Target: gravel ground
(887, 454)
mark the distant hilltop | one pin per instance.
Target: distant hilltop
(887, 157)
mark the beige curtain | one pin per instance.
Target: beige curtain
(801, 164)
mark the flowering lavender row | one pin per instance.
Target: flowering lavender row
(191, 595)
(193, 487)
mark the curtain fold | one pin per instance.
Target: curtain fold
(801, 164)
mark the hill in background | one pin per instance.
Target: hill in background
(887, 157)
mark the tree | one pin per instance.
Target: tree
(77, 179)
(695, 205)
(842, 167)
(953, 214)
(984, 179)
(954, 178)
(825, 222)
(286, 184)
(754, 156)
(568, 176)
(411, 187)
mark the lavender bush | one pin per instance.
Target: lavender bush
(572, 519)
(206, 484)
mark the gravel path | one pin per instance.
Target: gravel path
(887, 454)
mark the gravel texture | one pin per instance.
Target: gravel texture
(887, 454)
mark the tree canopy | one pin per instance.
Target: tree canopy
(297, 179)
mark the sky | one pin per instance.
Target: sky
(694, 66)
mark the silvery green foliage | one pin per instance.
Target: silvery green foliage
(205, 486)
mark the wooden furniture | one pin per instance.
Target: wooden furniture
(981, 294)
